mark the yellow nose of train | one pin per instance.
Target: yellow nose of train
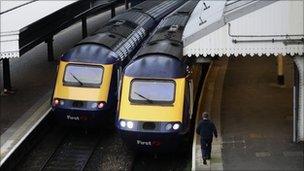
(157, 100)
(84, 92)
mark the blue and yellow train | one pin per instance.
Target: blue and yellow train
(88, 75)
(156, 100)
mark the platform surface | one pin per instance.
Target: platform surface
(256, 117)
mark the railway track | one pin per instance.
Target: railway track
(77, 149)
(73, 153)
(178, 160)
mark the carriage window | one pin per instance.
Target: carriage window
(83, 75)
(152, 91)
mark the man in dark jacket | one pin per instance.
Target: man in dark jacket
(206, 129)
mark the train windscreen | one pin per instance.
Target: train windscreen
(83, 75)
(152, 91)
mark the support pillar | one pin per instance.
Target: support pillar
(7, 87)
(113, 11)
(84, 27)
(127, 4)
(280, 67)
(50, 48)
(298, 104)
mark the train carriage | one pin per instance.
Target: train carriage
(156, 100)
(88, 75)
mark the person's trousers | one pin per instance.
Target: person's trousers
(206, 146)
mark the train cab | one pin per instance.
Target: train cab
(156, 100)
(156, 104)
(86, 84)
(88, 76)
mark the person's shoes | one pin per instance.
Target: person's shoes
(204, 161)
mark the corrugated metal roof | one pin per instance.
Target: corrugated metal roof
(15, 20)
(255, 27)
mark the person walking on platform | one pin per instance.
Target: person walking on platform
(206, 129)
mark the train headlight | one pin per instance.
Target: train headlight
(176, 126)
(168, 126)
(61, 102)
(56, 102)
(123, 124)
(94, 105)
(101, 105)
(130, 124)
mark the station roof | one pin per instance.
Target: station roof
(238, 27)
(17, 15)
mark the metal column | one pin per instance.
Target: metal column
(280, 70)
(299, 99)
(127, 4)
(84, 27)
(50, 48)
(112, 11)
(6, 76)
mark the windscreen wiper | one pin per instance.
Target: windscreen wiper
(147, 99)
(76, 79)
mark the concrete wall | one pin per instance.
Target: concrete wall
(299, 61)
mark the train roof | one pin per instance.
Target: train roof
(91, 53)
(167, 38)
(162, 55)
(156, 66)
(124, 33)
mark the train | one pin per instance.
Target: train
(156, 95)
(88, 75)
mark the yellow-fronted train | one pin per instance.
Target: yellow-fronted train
(88, 75)
(156, 97)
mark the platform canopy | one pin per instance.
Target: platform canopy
(238, 27)
(17, 15)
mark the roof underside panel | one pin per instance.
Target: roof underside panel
(273, 28)
(10, 5)
(17, 15)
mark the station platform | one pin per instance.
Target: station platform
(253, 115)
(33, 79)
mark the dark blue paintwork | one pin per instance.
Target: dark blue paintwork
(91, 53)
(156, 66)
